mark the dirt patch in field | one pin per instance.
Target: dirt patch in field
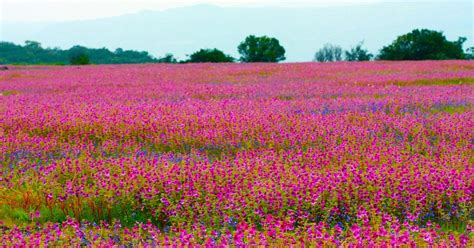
(460, 67)
(16, 76)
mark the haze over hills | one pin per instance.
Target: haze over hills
(301, 31)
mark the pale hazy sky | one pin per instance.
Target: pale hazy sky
(62, 10)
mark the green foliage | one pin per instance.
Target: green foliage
(423, 44)
(419, 44)
(329, 53)
(33, 45)
(30, 53)
(451, 109)
(438, 82)
(358, 53)
(261, 49)
(33, 53)
(469, 53)
(19, 215)
(210, 56)
(168, 59)
(79, 59)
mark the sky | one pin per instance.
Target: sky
(65, 23)
(67, 10)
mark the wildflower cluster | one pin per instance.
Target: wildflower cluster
(367, 154)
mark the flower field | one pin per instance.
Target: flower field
(369, 154)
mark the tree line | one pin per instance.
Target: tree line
(419, 44)
(33, 53)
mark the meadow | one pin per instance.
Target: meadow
(366, 154)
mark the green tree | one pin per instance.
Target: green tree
(79, 59)
(32, 44)
(423, 44)
(329, 53)
(78, 55)
(358, 53)
(470, 53)
(210, 56)
(261, 49)
(168, 59)
(33, 53)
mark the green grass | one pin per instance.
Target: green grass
(452, 109)
(124, 213)
(9, 93)
(437, 82)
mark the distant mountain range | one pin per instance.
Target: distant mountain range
(302, 31)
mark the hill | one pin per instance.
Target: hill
(301, 30)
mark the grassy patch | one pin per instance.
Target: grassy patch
(451, 109)
(9, 92)
(379, 96)
(440, 82)
(285, 97)
(125, 214)
(265, 73)
(13, 216)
